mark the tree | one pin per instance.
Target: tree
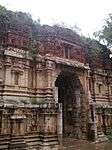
(16, 21)
(106, 33)
(2, 10)
(97, 54)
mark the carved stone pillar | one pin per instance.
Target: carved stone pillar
(56, 94)
(60, 123)
(99, 123)
(5, 124)
(77, 114)
(18, 125)
(49, 72)
(85, 98)
(49, 113)
(50, 66)
(93, 129)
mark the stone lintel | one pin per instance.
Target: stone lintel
(30, 106)
(18, 117)
(68, 62)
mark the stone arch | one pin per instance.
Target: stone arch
(69, 95)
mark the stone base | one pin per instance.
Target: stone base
(4, 142)
(28, 127)
(101, 138)
(49, 143)
(29, 142)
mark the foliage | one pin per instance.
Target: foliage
(20, 22)
(33, 48)
(106, 33)
(2, 10)
(96, 53)
(19, 17)
(109, 135)
(23, 21)
(34, 101)
(93, 46)
(73, 28)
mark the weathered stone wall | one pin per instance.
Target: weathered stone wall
(100, 87)
(15, 80)
(57, 47)
(37, 121)
(30, 99)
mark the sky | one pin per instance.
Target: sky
(88, 15)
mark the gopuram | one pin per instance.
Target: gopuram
(61, 93)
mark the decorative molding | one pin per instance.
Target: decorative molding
(11, 51)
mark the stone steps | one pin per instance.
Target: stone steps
(32, 141)
(37, 141)
(28, 142)
(101, 137)
(18, 143)
(4, 142)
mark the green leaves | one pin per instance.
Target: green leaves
(94, 47)
(106, 33)
(33, 48)
(97, 53)
(2, 10)
(21, 23)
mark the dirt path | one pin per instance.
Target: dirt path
(71, 144)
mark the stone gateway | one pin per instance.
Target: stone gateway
(57, 95)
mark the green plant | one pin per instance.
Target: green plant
(34, 101)
(109, 135)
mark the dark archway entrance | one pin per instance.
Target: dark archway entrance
(69, 94)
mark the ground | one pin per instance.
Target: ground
(70, 144)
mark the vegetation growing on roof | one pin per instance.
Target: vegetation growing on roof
(97, 53)
(105, 34)
(19, 22)
(23, 22)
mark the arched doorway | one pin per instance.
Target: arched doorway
(69, 94)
